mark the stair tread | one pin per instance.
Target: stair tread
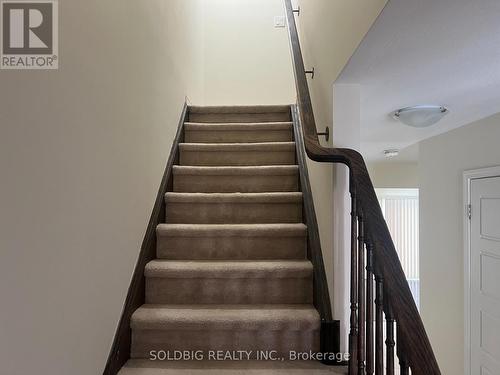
(278, 197)
(252, 109)
(210, 367)
(231, 114)
(231, 241)
(230, 130)
(238, 147)
(226, 317)
(205, 230)
(236, 170)
(241, 269)
(238, 126)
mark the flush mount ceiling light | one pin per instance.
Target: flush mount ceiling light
(420, 116)
(391, 153)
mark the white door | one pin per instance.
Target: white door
(485, 276)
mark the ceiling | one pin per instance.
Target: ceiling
(444, 52)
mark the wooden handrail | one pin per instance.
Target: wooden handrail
(414, 347)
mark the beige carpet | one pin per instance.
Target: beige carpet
(232, 273)
(146, 367)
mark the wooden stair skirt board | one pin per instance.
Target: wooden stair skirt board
(231, 258)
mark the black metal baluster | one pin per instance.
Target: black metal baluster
(389, 340)
(379, 325)
(404, 367)
(403, 362)
(353, 334)
(361, 296)
(369, 308)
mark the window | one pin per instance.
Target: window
(400, 209)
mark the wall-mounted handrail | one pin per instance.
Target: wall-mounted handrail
(393, 297)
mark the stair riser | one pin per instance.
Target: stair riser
(228, 291)
(233, 213)
(231, 248)
(207, 136)
(145, 341)
(239, 117)
(236, 158)
(232, 184)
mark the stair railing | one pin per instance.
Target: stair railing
(378, 284)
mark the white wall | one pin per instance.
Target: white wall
(82, 152)
(442, 162)
(401, 175)
(246, 60)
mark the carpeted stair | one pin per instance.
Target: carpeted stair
(231, 272)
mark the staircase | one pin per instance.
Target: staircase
(231, 260)
(231, 271)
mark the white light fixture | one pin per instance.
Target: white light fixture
(421, 116)
(391, 153)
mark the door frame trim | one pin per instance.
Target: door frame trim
(468, 177)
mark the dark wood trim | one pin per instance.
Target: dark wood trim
(330, 342)
(314, 253)
(420, 354)
(120, 350)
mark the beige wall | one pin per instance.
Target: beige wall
(246, 59)
(401, 175)
(443, 159)
(82, 151)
